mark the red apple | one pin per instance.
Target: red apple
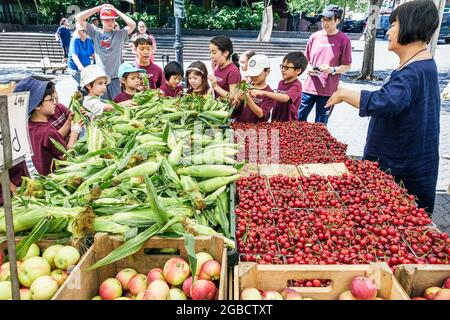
(446, 284)
(187, 284)
(157, 290)
(110, 289)
(291, 294)
(430, 292)
(138, 284)
(176, 270)
(210, 270)
(124, 276)
(155, 274)
(442, 294)
(203, 290)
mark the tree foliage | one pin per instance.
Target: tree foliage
(316, 6)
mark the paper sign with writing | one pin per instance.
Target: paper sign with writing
(18, 126)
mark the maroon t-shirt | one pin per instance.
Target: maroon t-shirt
(288, 111)
(123, 96)
(245, 114)
(60, 116)
(168, 91)
(43, 148)
(15, 176)
(154, 74)
(226, 76)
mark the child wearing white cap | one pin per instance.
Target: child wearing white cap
(94, 80)
(256, 109)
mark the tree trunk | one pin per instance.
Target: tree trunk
(369, 41)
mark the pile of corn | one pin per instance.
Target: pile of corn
(161, 167)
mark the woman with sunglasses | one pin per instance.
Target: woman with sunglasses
(80, 53)
(329, 53)
(403, 134)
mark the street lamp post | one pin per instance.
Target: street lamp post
(178, 12)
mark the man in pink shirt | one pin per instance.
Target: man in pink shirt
(329, 54)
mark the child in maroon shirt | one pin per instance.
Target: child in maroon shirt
(289, 90)
(130, 78)
(144, 53)
(256, 109)
(173, 73)
(226, 67)
(197, 79)
(42, 105)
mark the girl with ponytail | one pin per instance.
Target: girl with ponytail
(225, 63)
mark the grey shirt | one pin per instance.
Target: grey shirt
(108, 48)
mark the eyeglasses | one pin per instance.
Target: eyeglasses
(286, 68)
(326, 19)
(53, 99)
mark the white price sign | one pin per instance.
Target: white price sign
(18, 126)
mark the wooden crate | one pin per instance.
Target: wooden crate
(275, 277)
(83, 284)
(248, 169)
(80, 244)
(285, 170)
(415, 278)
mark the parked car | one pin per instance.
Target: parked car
(444, 32)
(383, 25)
(352, 26)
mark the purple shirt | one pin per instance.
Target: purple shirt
(245, 114)
(15, 176)
(288, 111)
(226, 76)
(123, 96)
(154, 74)
(168, 91)
(43, 148)
(333, 50)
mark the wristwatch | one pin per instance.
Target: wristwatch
(333, 71)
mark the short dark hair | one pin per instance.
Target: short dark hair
(298, 59)
(418, 20)
(173, 68)
(142, 40)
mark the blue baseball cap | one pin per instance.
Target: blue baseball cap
(127, 68)
(35, 87)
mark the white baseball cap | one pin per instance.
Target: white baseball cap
(91, 73)
(256, 65)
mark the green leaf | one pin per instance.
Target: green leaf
(189, 243)
(60, 148)
(39, 231)
(161, 214)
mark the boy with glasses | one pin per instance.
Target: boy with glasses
(42, 104)
(329, 53)
(289, 93)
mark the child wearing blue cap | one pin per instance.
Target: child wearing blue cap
(130, 79)
(42, 103)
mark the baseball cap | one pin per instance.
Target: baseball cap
(256, 65)
(35, 87)
(127, 68)
(108, 13)
(91, 73)
(332, 11)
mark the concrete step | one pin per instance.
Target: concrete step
(30, 47)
